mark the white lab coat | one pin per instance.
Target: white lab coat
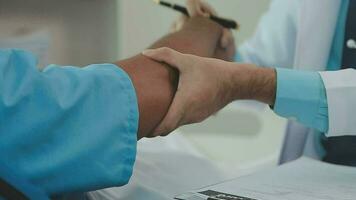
(299, 34)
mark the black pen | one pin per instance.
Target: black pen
(227, 23)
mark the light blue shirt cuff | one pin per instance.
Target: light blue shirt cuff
(301, 96)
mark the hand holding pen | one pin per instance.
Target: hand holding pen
(201, 8)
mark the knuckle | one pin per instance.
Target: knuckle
(167, 52)
(164, 49)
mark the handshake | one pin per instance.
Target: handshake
(199, 76)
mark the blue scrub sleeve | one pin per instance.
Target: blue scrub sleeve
(301, 96)
(67, 129)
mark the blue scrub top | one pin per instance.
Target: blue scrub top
(66, 129)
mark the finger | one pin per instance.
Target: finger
(227, 38)
(198, 8)
(173, 118)
(207, 8)
(166, 55)
(193, 7)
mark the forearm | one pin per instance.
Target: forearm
(294, 94)
(252, 82)
(156, 83)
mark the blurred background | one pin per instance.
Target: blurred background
(80, 32)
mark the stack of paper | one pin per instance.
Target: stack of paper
(303, 179)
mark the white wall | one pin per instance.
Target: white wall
(142, 21)
(79, 31)
(91, 31)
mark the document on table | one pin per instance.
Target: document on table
(303, 179)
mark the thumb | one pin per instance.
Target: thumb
(193, 7)
(199, 8)
(166, 55)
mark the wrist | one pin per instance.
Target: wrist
(255, 83)
(155, 86)
(264, 85)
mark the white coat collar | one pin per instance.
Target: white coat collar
(317, 22)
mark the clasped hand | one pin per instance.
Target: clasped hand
(203, 88)
(206, 85)
(203, 82)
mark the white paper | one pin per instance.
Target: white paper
(164, 168)
(304, 179)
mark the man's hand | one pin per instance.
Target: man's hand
(206, 85)
(155, 82)
(226, 49)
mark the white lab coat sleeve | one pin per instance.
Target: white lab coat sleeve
(341, 96)
(273, 43)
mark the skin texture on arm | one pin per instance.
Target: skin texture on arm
(155, 82)
(252, 82)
